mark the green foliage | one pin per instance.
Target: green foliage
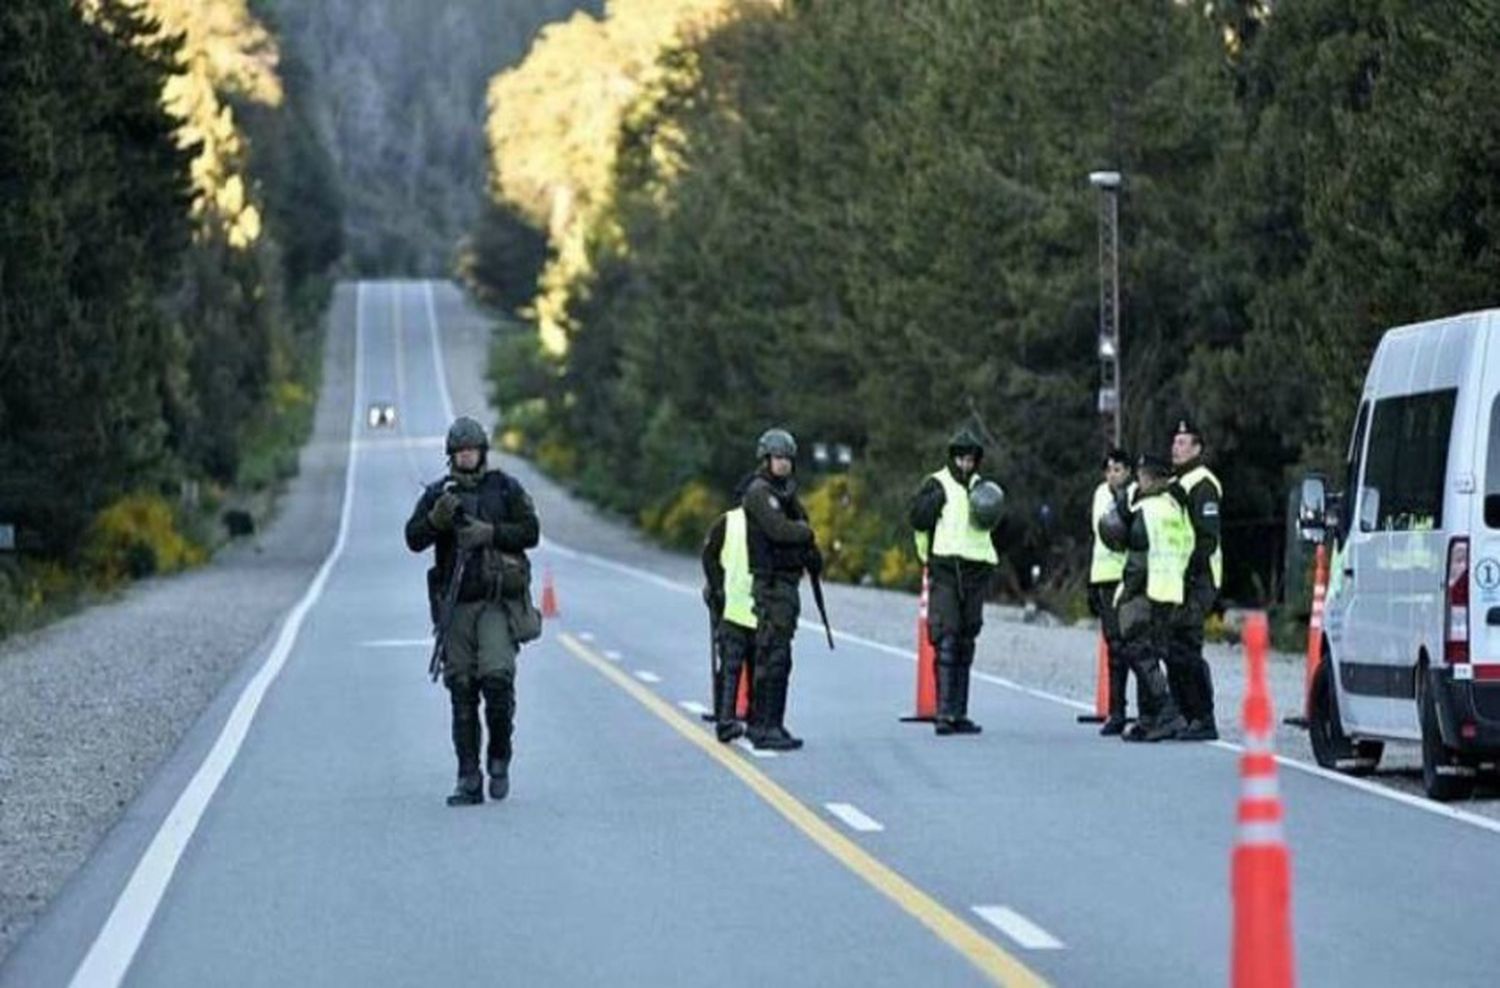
(167, 243)
(869, 221)
(853, 538)
(135, 537)
(683, 518)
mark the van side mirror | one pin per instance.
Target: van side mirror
(1312, 511)
(1369, 509)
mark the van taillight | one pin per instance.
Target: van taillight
(1456, 636)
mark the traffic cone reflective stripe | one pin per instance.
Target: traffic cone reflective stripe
(926, 661)
(1261, 870)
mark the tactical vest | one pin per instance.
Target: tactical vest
(954, 536)
(734, 557)
(1107, 566)
(1171, 535)
(1192, 479)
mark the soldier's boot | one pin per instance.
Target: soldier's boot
(1159, 717)
(470, 788)
(1202, 726)
(1115, 722)
(775, 736)
(963, 725)
(499, 717)
(946, 680)
(727, 726)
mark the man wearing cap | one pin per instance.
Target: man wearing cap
(1106, 568)
(955, 517)
(782, 547)
(1151, 594)
(1200, 493)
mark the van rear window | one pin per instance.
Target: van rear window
(1408, 459)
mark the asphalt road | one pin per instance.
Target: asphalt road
(299, 835)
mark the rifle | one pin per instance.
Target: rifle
(817, 589)
(445, 619)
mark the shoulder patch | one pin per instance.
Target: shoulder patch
(1211, 509)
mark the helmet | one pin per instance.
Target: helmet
(966, 440)
(776, 442)
(986, 505)
(1114, 529)
(465, 433)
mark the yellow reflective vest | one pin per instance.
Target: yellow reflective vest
(1107, 565)
(1170, 532)
(954, 536)
(1187, 482)
(734, 557)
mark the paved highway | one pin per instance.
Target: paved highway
(300, 836)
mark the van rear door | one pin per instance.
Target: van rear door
(1484, 565)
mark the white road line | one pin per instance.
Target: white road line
(1020, 929)
(855, 820)
(693, 707)
(613, 655)
(744, 745)
(437, 355)
(110, 955)
(585, 636)
(647, 676)
(397, 643)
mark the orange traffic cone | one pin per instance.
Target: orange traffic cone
(1262, 864)
(742, 696)
(549, 595)
(1101, 688)
(1314, 634)
(926, 663)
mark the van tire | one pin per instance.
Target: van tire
(1436, 755)
(1332, 748)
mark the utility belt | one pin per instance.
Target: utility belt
(504, 579)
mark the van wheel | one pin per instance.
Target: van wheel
(1332, 748)
(1437, 756)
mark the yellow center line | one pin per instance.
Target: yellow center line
(998, 965)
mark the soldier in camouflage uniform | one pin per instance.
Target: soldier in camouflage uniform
(486, 514)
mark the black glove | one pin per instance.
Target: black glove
(443, 510)
(813, 560)
(475, 534)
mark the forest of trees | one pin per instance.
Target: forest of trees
(397, 91)
(166, 227)
(871, 222)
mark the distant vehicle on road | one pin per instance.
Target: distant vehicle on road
(1411, 641)
(381, 415)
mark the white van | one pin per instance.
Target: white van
(1411, 646)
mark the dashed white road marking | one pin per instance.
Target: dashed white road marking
(693, 707)
(647, 676)
(744, 745)
(1020, 929)
(397, 643)
(585, 636)
(613, 655)
(855, 820)
(909, 654)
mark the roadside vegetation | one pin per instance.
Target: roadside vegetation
(165, 269)
(870, 222)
